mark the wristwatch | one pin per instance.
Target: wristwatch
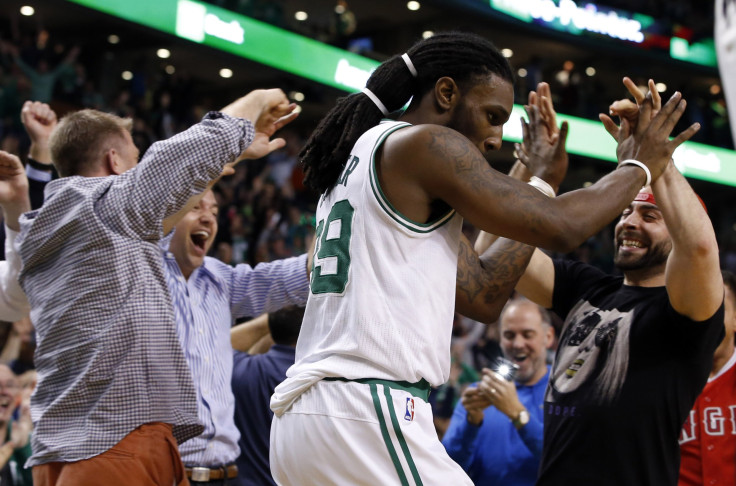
(521, 420)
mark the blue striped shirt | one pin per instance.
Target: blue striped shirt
(108, 357)
(205, 307)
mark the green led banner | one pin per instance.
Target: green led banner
(587, 18)
(589, 139)
(258, 41)
(296, 54)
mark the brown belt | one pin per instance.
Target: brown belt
(205, 474)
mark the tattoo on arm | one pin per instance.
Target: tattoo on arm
(468, 164)
(491, 278)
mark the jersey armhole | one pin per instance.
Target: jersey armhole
(386, 205)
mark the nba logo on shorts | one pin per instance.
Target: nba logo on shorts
(409, 415)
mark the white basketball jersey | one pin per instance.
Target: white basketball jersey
(725, 38)
(382, 290)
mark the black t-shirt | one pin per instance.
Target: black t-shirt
(627, 371)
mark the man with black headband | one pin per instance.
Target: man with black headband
(635, 351)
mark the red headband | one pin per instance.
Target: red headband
(646, 197)
(649, 198)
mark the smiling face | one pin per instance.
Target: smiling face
(641, 241)
(194, 235)
(525, 339)
(483, 109)
(9, 393)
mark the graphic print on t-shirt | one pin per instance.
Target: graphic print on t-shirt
(593, 354)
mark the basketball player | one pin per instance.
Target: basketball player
(389, 252)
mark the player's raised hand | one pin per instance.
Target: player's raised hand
(543, 148)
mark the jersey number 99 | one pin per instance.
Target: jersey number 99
(332, 250)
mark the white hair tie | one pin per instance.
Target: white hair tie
(409, 64)
(376, 101)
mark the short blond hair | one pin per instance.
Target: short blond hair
(78, 141)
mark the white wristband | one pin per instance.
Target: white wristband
(638, 164)
(543, 187)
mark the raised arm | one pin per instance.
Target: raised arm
(269, 113)
(13, 189)
(175, 170)
(447, 167)
(14, 201)
(485, 283)
(692, 275)
(245, 335)
(39, 121)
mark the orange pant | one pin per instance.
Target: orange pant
(148, 456)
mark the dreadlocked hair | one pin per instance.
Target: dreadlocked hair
(462, 56)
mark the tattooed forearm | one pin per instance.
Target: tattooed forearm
(485, 283)
(468, 164)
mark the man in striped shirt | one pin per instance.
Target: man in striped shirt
(208, 295)
(114, 390)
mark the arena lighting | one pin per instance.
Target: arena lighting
(297, 96)
(568, 16)
(578, 17)
(113, 39)
(413, 5)
(27, 10)
(301, 16)
(163, 53)
(347, 71)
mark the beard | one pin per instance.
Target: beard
(656, 255)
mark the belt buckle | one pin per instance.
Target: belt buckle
(200, 474)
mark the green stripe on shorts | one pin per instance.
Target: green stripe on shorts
(400, 437)
(386, 437)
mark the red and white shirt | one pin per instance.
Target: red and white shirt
(708, 438)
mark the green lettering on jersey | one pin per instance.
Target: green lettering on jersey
(349, 168)
(332, 250)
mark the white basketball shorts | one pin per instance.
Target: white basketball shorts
(365, 432)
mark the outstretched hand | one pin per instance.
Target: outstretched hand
(269, 110)
(543, 148)
(262, 144)
(644, 135)
(628, 111)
